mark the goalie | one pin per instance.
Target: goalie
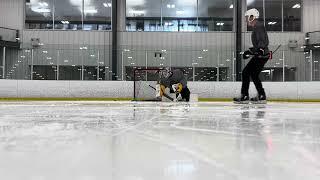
(177, 82)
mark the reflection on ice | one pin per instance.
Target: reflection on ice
(158, 141)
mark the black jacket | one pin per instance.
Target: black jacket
(260, 38)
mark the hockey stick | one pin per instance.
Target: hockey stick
(164, 94)
(270, 55)
(273, 52)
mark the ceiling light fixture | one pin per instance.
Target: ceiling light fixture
(296, 6)
(272, 23)
(107, 5)
(90, 11)
(181, 12)
(43, 4)
(65, 22)
(171, 6)
(40, 10)
(137, 12)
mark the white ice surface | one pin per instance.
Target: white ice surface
(159, 141)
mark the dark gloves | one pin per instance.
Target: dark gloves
(253, 52)
(257, 51)
(247, 54)
(260, 52)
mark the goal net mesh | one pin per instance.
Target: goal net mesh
(145, 80)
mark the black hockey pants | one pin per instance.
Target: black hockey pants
(252, 70)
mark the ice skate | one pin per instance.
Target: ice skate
(259, 99)
(243, 99)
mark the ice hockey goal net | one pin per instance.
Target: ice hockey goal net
(145, 80)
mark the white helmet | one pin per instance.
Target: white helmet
(166, 72)
(254, 13)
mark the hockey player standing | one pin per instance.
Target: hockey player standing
(260, 53)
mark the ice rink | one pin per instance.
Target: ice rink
(159, 141)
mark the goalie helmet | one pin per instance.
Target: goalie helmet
(252, 14)
(168, 72)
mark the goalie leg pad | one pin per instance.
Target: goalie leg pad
(160, 89)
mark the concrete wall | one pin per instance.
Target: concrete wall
(62, 38)
(124, 89)
(68, 43)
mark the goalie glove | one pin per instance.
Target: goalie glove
(177, 88)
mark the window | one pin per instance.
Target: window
(292, 15)
(273, 13)
(70, 64)
(97, 15)
(274, 21)
(179, 15)
(143, 15)
(68, 15)
(70, 73)
(215, 16)
(90, 63)
(44, 72)
(39, 14)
